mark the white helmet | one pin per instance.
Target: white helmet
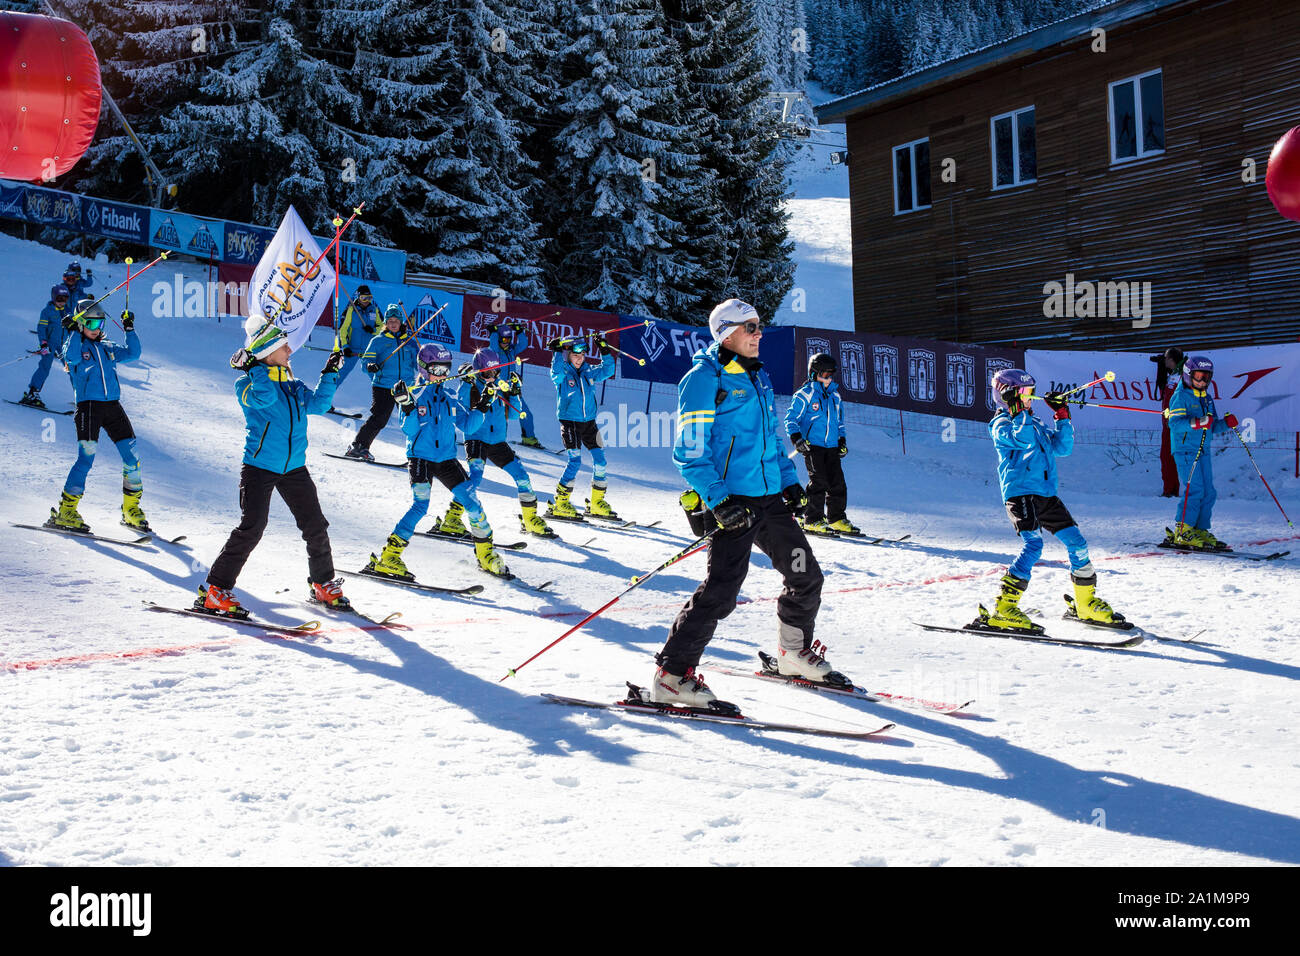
(262, 338)
(727, 315)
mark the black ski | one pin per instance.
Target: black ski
(515, 579)
(335, 411)
(40, 408)
(381, 464)
(1038, 635)
(311, 599)
(638, 702)
(306, 627)
(154, 535)
(468, 538)
(141, 542)
(415, 585)
(1221, 553)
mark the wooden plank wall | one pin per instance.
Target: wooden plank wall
(1224, 266)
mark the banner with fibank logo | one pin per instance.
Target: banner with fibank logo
(915, 375)
(1260, 382)
(669, 348)
(541, 324)
(117, 220)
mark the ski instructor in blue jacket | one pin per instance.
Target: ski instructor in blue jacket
(275, 407)
(730, 454)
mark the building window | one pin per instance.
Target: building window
(1137, 117)
(1015, 152)
(912, 176)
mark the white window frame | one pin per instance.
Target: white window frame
(1016, 179)
(1136, 80)
(893, 166)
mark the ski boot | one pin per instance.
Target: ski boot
(817, 526)
(1209, 541)
(681, 690)
(1086, 606)
(451, 523)
(389, 563)
(329, 594)
(219, 601)
(65, 515)
(1182, 536)
(806, 663)
(562, 508)
(488, 559)
(844, 526)
(32, 397)
(529, 441)
(598, 506)
(1007, 615)
(533, 523)
(359, 453)
(132, 516)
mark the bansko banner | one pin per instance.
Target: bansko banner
(244, 244)
(50, 207)
(180, 232)
(915, 375)
(116, 220)
(544, 323)
(1261, 383)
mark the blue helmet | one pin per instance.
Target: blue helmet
(434, 358)
(59, 291)
(1008, 378)
(485, 359)
(1198, 372)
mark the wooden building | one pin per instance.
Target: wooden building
(1097, 183)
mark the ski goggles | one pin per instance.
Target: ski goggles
(60, 298)
(437, 371)
(92, 324)
(363, 300)
(1201, 379)
(578, 348)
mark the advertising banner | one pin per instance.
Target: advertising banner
(544, 322)
(367, 263)
(1256, 382)
(420, 304)
(50, 207)
(11, 200)
(667, 348)
(914, 375)
(117, 220)
(244, 244)
(181, 232)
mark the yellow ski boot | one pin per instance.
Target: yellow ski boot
(389, 564)
(451, 523)
(598, 507)
(488, 559)
(1007, 615)
(132, 516)
(65, 515)
(533, 523)
(1087, 607)
(562, 508)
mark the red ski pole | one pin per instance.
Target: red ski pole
(161, 256)
(1261, 476)
(686, 552)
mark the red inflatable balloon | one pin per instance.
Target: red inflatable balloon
(1283, 176)
(49, 96)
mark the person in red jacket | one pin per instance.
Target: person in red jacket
(1168, 363)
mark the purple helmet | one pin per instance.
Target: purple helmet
(1198, 371)
(1009, 378)
(434, 358)
(485, 359)
(59, 291)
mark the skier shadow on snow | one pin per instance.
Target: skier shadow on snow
(1228, 659)
(487, 700)
(1133, 805)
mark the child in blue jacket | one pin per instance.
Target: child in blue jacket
(576, 406)
(51, 331)
(1192, 420)
(92, 361)
(275, 407)
(1027, 451)
(510, 341)
(389, 358)
(815, 424)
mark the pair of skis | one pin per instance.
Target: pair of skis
(1039, 634)
(143, 540)
(41, 408)
(512, 546)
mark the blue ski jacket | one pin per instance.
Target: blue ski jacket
(817, 413)
(575, 388)
(357, 327)
(430, 427)
(727, 441)
(49, 327)
(1186, 406)
(400, 366)
(491, 425)
(276, 406)
(1027, 452)
(92, 366)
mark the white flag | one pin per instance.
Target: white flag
(286, 288)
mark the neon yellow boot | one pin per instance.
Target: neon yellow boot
(533, 523)
(597, 505)
(488, 559)
(451, 523)
(1088, 607)
(1007, 613)
(562, 507)
(66, 516)
(389, 563)
(132, 516)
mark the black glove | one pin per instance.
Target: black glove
(372, 367)
(1057, 403)
(733, 515)
(800, 444)
(603, 345)
(348, 353)
(557, 344)
(519, 327)
(45, 348)
(128, 320)
(333, 363)
(795, 498)
(402, 395)
(68, 323)
(466, 368)
(844, 448)
(484, 401)
(511, 386)
(368, 329)
(242, 360)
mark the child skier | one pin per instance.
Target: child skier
(275, 407)
(494, 398)
(1192, 419)
(356, 328)
(52, 332)
(92, 365)
(1027, 452)
(510, 341)
(431, 413)
(389, 360)
(815, 424)
(575, 388)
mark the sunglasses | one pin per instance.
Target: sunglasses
(750, 327)
(93, 325)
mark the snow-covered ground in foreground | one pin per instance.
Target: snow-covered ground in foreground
(136, 738)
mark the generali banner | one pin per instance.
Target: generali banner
(1259, 382)
(914, 375)
(544, 322)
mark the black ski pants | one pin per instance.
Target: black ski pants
(779, 537)
(381, 410)
(825, 484)
(299, 493)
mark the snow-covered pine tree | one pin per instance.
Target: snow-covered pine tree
(784, 47)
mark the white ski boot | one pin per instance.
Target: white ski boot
(681, 690)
